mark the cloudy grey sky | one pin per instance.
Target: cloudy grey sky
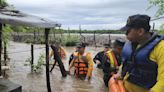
(90, 14)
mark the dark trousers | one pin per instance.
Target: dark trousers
(106, 78)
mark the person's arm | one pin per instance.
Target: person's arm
(90, 66)
(94, 59)
(71, 65)
(158, 56)
(70, 58)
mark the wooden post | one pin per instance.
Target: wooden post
(34, 36)
(39, 35)
(1, 27)
(68, 31)
(153, 26)
(80, 29)
(94, 38)
(5, 53)
(5, 50)
(109, 40)
(47, 60)
(32, 57)
(54, 34)
(60, 35)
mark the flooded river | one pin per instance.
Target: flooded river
(36, 82)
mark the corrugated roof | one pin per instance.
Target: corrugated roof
(15, 17)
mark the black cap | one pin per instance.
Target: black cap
(119, 42)
(81, 45)
(106, 45)
(137, 21)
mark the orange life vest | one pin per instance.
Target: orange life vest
(80, 64)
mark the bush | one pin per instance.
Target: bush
(70, 40)
(37, 68)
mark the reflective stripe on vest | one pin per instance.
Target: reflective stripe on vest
(112, 59)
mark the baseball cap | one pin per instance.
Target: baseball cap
(137, 21)
(81, 45)
(106, 45)
(119, 42)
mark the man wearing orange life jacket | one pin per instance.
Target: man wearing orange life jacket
(82, 62)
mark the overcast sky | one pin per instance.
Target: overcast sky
(90, 14)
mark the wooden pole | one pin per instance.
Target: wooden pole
(60, 35)
(109, 40)
(32, 57)
(94, 38)
(69, 31)
(80, 29)
(153, 26)
(35, 36)
(5, 53)
(54, 35)
(47, 60)
(1, 27)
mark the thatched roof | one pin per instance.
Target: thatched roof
(16, 17)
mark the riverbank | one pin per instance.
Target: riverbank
(67, 39)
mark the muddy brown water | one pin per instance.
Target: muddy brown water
(36, 82)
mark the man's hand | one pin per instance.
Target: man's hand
(118, 76)
(98, 62)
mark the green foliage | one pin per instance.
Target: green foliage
(92, 31)
(28, 62)
(19, 28)
(159, 4)
(161, 31)
(6, 33)
(70, 40)
(38, 67)
(59, 31)
(3, 3)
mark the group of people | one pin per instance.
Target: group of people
(109, 59)
(138, 62)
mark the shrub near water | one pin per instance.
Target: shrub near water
(38, 66)
(70, 40)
